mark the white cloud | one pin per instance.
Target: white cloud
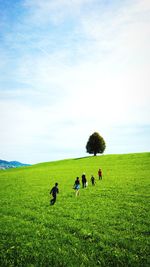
(55, 11)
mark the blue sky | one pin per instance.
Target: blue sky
(68, 69)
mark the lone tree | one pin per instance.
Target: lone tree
(95, 144)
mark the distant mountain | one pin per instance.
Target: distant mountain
(11, 164)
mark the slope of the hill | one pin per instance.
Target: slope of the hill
(107, 225)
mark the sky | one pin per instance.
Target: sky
(69, 68)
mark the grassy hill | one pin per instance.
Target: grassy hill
(107, 225)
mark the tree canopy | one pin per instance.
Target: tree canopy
(96, 144)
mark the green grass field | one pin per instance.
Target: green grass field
(107, 225)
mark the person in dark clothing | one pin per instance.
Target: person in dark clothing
(100, 174)
(84, 180)
(93, 180)
(54, 191)
(77, 186)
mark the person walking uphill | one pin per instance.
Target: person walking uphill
(84, 180)
(100, 174)
(77, 185)
(54, 191)
(92, 180)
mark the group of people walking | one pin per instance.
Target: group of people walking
(54, 191)
(85, 182)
